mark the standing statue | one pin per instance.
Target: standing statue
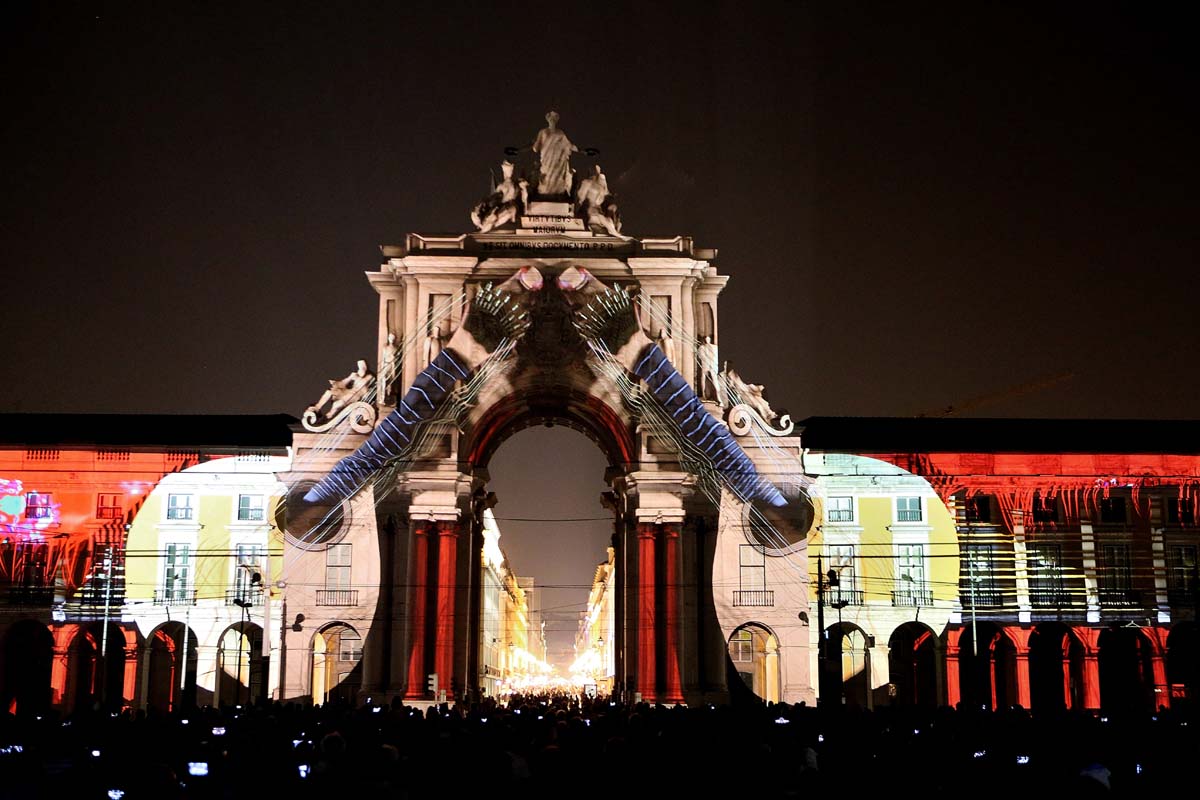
(751, 394)
(433, 344)
(665, 343)
(502, 205)
(597, 206)
(389, 367)
(340, 394)
(709, 381)
(554, 150)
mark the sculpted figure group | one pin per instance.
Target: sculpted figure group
(593, 202)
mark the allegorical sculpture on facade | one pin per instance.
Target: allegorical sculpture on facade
(750, 404)
(504, 204)
(597, 206)
(345, 398)
(554, 151)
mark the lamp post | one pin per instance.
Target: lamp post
(822, 667)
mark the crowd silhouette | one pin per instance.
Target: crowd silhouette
(564, 746)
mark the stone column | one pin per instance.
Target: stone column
(58, 676)
(674, 691)
(129, 688)
(1020, 562)
(1091, 667)
(416, 643)
(647, 667)
(1162, 693)
(1023, 695)
(447, 587)
(953, 684)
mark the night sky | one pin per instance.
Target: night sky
(919, 206)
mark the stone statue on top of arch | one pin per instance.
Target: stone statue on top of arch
(553, 149)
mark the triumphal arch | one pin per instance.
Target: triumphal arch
(548, 312)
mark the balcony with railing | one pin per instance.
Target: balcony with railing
(1050, 597)
(754, 598)
(1120, 597)
(29, 595)
(337, 597)
(913, 597)
(851, 597)
(240, 597)
(908, 515)
(175, 597)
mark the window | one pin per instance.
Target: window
(752, 572)
(908, 509)
(911, 589)
(841, 566)
(39, 505)
(741, 647)
(175, 575)
(1182, 575)
(250, 507)
(337, 566)
(1112, 510)
(1114, 575)
(1045, 509)
(108, 506)
(978, 576)
(979, 509)
(1181, 511)
(1044, 565)
(349, 645)
(249, 563)
(179, 506)
(840, 509)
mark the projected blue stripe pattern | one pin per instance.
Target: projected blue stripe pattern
(701, 429)
(393, 435)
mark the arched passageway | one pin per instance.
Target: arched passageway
(28, 653)
(1126, 663)
(849, 659)
(1056, 668)
(1183, 665)
(94, 680)
(754, 656)
(239, 665)
(169, 685)
(987, 673)
(336, 656)
(913, 665)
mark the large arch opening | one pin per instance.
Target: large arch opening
(754, 660)
(1056, 668)
(96, 669)
(913, 664)
(171, 661)
(987, 670)
(336, 664)
(239, 664)
(28, 653)
(1183, 665)
(850, 663)
(546, 557)
(1126, 665)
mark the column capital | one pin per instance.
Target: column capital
(646, 530)
(447, 527)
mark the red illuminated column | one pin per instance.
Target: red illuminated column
(1023, 677)
(646, 617)
(129, 687)
(1091, 667)
(1162, 697)
(58, 676)
(953, 687)
(416, 655)
(1065, 649)
(446, 587)
(674, 692)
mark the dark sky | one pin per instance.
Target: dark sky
(918, 205)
